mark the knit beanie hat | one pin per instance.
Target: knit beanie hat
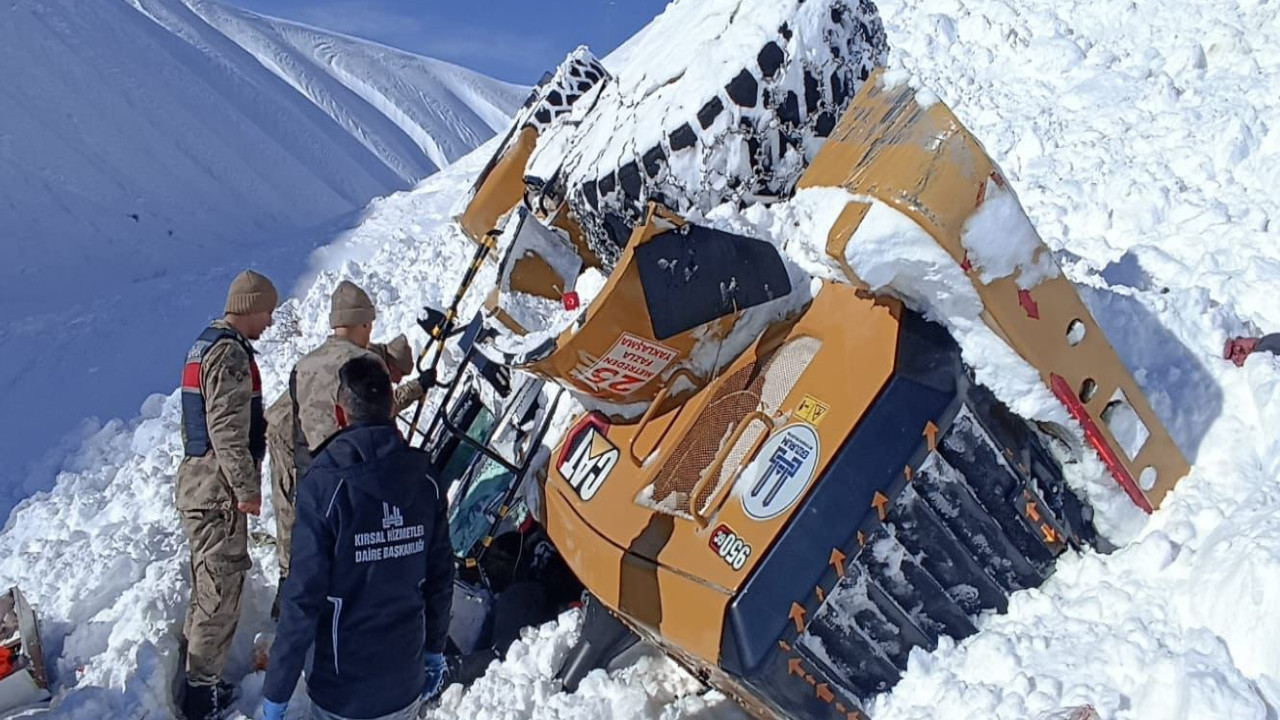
(250, 293)
(399, 355)
(351, 306)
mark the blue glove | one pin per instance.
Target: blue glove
(436, 672)
(273, 710)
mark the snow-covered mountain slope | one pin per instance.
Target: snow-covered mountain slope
(149, 149)
(1146, 156)
(102, 554)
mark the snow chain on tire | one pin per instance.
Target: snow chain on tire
(748, 142)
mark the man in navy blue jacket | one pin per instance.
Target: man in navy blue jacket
(372, 574)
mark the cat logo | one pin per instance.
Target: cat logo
(589, 459)
(391, 517)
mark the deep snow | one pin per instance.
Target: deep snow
(1143, 140)
(150, 147)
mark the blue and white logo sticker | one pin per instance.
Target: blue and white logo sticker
(782, 471)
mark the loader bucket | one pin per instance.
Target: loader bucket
(917, 158)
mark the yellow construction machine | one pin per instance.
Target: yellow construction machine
(786, 483)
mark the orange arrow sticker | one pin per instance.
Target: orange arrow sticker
(797, 616)
(794, 667)
(862, 539)
(1049, 535)
(881, 504)
(931, 434)
(908, 473)
(817, 590)
(785, 647)
(824, 693)
(837, 560)
(1033, 512)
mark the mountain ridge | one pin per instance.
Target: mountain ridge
(149, 147)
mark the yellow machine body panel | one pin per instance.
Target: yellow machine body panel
(921, 161)
(646, 532)
(612, 353)
(499, 189)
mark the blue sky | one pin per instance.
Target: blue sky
(510, 40)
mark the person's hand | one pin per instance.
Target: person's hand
(437, 670)
(253, 507)
(1237, 350)
(273, 710)
(426, 380)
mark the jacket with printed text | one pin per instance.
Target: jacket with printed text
(371, 579)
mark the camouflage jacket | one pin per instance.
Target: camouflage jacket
(280, 422)
(408, 393)
(228, 473)
(317, 390)
(280, 415)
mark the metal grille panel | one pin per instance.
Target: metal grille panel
(739, 394)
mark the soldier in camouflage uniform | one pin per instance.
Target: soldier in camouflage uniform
(313, 390)
(283, 477)
(313, 385)
(398, 357)
(224, 442)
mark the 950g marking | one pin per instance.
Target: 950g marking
(730, 547)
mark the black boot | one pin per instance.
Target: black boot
(224, 694)
(208, 702)
(200, 702)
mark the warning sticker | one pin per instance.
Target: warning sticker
(630, 364)
(812, 410)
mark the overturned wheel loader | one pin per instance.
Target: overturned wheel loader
(787, 479)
